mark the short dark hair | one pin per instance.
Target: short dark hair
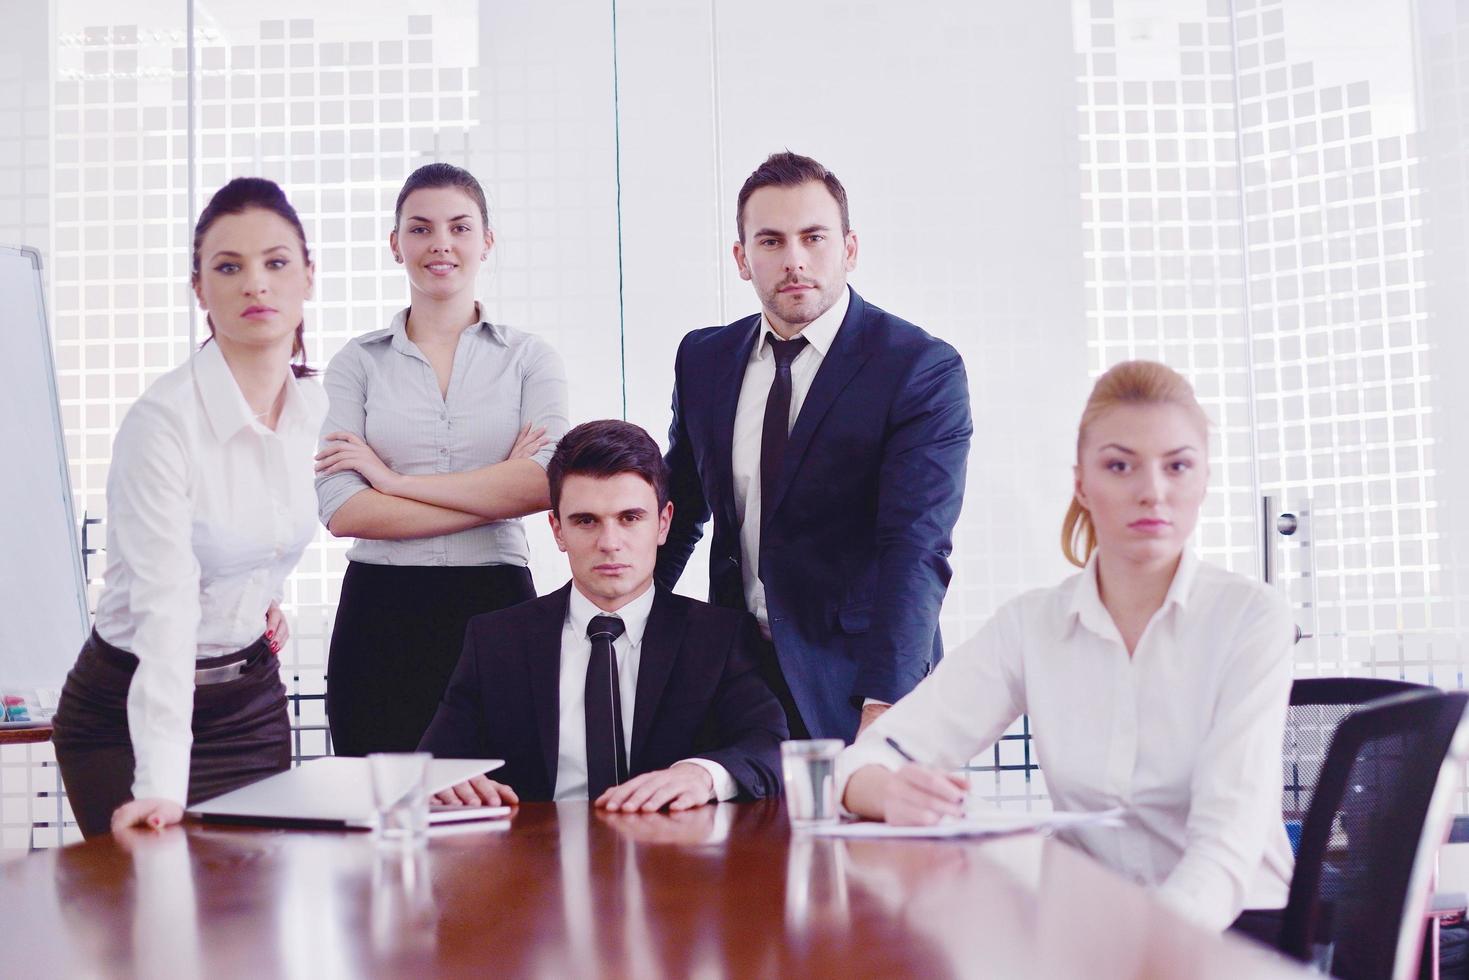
(238, 196)
(606, 448)
(442, 175)
(787, 169)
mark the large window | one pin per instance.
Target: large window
(1267, 200)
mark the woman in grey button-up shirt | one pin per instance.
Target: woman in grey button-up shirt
(436, 443)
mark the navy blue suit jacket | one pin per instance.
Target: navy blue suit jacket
(699, 694)
(855, 540)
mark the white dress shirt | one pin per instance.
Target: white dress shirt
(1185, 734)
(576, 654)
(383, 389)
(749, 426)
(207, 513)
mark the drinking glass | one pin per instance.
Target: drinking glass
(808, 767)
(400, 795)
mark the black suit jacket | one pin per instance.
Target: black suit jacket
(698, 695)
(855, 540)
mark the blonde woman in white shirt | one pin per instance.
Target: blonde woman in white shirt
(1154, 682)
(176, 696)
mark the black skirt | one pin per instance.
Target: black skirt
(241, 730)
(397, 638)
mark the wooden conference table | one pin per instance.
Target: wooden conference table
(567, 892)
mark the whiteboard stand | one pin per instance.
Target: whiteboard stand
(41, 568)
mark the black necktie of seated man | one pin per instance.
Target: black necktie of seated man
(606, 747)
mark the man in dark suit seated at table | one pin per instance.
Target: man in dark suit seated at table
(610, 688)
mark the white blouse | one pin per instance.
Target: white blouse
(1184, 735)
(207, 513)
(382, 388)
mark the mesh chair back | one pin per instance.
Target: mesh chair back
(1381, 807)
(1317, 706)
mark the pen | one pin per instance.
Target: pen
(893, 744)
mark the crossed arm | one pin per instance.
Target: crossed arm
(378, 503)
(397, 507)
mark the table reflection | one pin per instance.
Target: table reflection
(165, 912)
(816, 883)
(925, 893)
(672, 860)
(404, 913)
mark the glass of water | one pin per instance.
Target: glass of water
(808, 767)
(400, 795)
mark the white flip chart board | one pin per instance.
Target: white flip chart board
(43, 613)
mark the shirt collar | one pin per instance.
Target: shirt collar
(1183, 580)
(398, 330)
(1086, 600)
(224, 404)
(634, 615)
(819, 333)
(293, 409)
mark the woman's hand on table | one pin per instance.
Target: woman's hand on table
(154, 814)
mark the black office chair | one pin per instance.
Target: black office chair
(1317, 706)
(1381, 808)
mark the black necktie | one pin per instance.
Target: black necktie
(777, 431)
(606, 751)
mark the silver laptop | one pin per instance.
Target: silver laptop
(334, 792)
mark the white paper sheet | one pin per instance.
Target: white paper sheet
(984, 823)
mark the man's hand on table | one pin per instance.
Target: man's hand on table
(477, 791)
(681, 786)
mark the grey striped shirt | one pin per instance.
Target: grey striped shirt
(382, 388)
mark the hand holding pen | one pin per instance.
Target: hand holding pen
(920, 794)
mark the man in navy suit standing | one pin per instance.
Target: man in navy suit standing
(828, 439)
(610, 689)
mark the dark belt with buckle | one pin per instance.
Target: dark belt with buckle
(220, 670)
(221, 673)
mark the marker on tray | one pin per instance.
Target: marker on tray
(13, 708)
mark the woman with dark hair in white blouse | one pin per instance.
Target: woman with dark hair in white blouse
(176, 696)
(436, 443)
